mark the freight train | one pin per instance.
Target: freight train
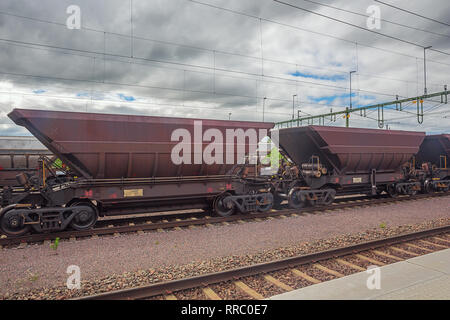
(124, 164)
(19, 155)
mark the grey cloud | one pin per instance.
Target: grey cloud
(191, 24)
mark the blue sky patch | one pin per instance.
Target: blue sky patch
(329, 99)
(334, 77)
(39, 91)
(367, 97)
(126, 98)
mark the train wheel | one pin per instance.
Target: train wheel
(12, 224)
(427, 187)
(265, 202)
(223, 207)
(329, 198)
(277, 200)
(295, 201)
(312, 202)
(391, 191)
(85, 218)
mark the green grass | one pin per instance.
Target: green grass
(33, 277)
(55, 244)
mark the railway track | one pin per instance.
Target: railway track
(140, 224)
(267, 279)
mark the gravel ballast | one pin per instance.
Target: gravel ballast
(107, 263)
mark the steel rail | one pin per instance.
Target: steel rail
(39, 237)
(214, 278)
(183, 215)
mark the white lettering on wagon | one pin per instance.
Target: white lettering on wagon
(251, 143)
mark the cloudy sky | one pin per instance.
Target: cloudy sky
(219, 59)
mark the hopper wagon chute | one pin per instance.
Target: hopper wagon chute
(434, 160)
(435, 149)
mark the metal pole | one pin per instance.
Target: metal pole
(229, 116)
(351, 88)
(425, 69)
(347, 124)
(264, 102)
(293, 111)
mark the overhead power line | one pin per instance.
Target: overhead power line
(368, 75)
(358, 27)
(190, 65)
(307, 30)
(215, 51)
(333, 88)
(157, 88)
(171, 43)
(381, 19)
(419, 100)
(93, 100)
(413, 13)
(100, 54)
(330, 87)
(91, 92)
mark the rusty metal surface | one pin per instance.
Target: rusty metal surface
(121, 146)
(433, 147)
(19, 154)
(8, 176)
(351, 149)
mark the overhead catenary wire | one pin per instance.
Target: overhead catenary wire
(158, 104)
(252, 74)
(58, 97)
(158, 87)
(59, 51)
(188, 65)
(224, 52)
(380, 107)
(214, 51)
(87, 28)
(174, 43)
(307, 30)
(380, 19)
(359, 27)
(413, 13)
